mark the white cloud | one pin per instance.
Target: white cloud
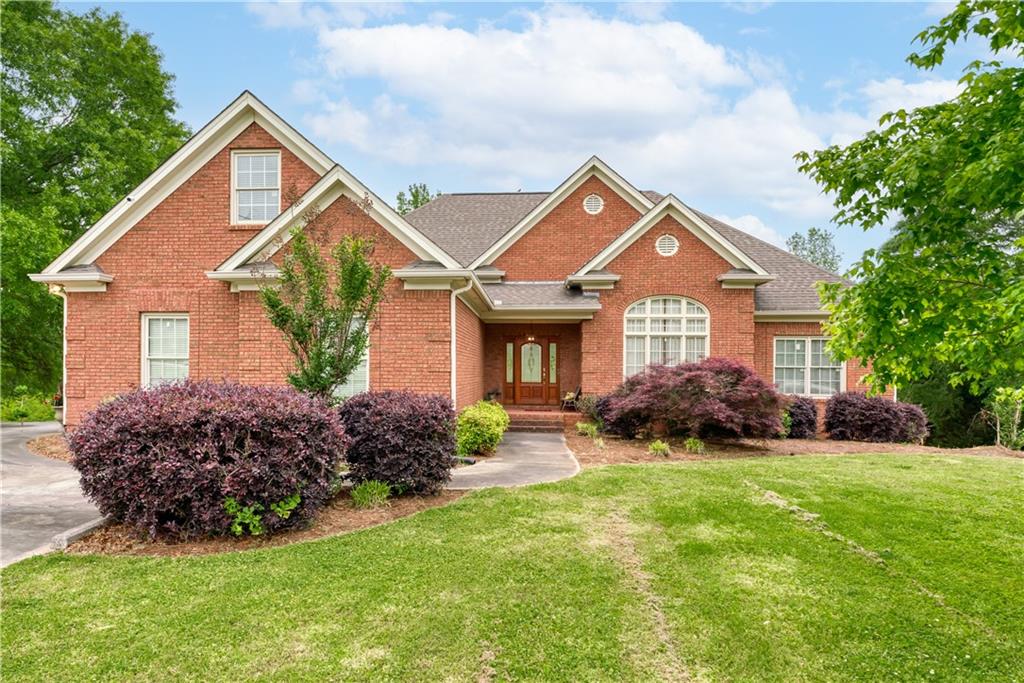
(292, 14)
(524, 106)
(750, 7)
(755, 226)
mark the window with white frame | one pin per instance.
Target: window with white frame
(804, 366)
(359, 380)
(164, 348)
(664, 330)
(256, 186)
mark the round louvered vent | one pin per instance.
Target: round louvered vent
(667, 245)
(593, 204)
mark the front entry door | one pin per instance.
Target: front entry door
(535, 371)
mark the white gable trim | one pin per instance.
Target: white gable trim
(169, 176)
(334, 184)
(670, 206)
(593, 167)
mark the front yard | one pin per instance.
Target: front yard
(847, 567)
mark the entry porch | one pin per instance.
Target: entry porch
(531, 366)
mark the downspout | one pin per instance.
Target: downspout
(454, 382)
(57, 290)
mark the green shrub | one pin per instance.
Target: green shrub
(479, 428)
(244, 517)
(1007, 408)
(787, 425)
(659, 447)
(588, 429)
(587, 407)
(694, 445)
(370, 494)
(26, 407)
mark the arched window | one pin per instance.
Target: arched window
(666, 330)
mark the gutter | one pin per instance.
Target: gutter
(454, 347)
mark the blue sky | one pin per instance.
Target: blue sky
(709, 101)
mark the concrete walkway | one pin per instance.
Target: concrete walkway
(39, 497)
(522, 458)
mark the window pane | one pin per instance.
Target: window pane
(634, 355)
(666, 350)
(790, 380)
(825, 381)
(510, 362)
(552, 363)
(636, 325)
(695, 349)
(530, 369)
(637, 309)
(672, 306)
(699, 325)
(790, 353)
(820, 357)
(666, 324)
(358, 381)
(695, 309)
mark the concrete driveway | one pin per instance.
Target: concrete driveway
(39, 497)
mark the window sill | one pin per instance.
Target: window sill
(247, 226)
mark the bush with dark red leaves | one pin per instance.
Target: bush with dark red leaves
(402, 438)
(803, 418)
(166, 460)
(853, 416)
(715, 397)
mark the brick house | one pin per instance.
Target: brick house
(519, 296)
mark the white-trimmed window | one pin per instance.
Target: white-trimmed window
(359, 380)
(804, 366)
(664, 330)
(164, 348)
(255, 186)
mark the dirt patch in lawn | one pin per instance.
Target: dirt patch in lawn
(54, 446)
(618, 451)
(339, 517)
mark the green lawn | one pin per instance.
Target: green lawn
(913, 570)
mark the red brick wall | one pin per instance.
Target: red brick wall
(469, 354)
(497, 334)
(690, 273)
(159, 266)
(568, 236)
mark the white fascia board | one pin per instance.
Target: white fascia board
(672, 207)
(790, 316)
(179, 167)
(593, 167)
(336, 183)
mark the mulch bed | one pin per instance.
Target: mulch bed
(54, 446)
(618, 451)
(339, 517)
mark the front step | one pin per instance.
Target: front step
(535, 421)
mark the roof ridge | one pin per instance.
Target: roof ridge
(473, 194)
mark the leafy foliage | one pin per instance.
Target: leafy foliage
(817, 247)
(588, 429)
(586, 405)
(659, 447)
(419, 194)
(402, 438)
(948, 288)
(480, 427)
(26, 407)
(852, 416)
(694, 445)
(370, 494)
(956, 417)
(325, 310)
(167, 460)
(1007, 409)
(86, 113)
(715, 397)
(803, 418)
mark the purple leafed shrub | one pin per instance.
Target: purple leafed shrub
(803, 416)
(402, 438)
(855, 417)
(715, 397)
(165, 460)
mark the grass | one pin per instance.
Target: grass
(912, 569)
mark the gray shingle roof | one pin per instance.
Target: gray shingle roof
(465, 225)
(539, 294)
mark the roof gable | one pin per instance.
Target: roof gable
(593, 167)
(245, 110)
(335, 183)
(670, 206)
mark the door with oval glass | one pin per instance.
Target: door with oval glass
(532, 364)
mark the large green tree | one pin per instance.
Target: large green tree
(86, 112)
(948, 288)
(817, 247)
(419, 194)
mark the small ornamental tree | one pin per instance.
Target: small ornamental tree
(325, 308)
